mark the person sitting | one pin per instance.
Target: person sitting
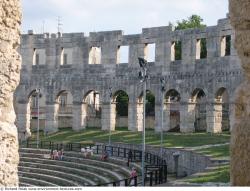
(84, 152)
(89, 152)
(60, 154)
(55, 155)
(105, 156)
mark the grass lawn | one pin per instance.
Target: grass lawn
(217, 152)
(91, 135)
(221, 174)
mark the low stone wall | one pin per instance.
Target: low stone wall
(189, 162)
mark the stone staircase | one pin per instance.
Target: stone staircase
(37, 169)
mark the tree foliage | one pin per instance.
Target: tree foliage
(194, 21)
(122, 104)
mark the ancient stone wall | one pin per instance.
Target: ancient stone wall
(10, 18)
(240, 147)
(191, 77)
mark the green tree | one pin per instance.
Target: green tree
(122, 104)
(150, 104)
(194, 21)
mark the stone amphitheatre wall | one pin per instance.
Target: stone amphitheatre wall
(10, 18)
(240, 147)
(43, 68)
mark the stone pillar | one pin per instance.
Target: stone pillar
(214, 117)
(10, 64)
(166, 117)
(108, 116)
(231, 115)
(79, 116)
(51, 119)
(23, 121)
(132, 116)
(158, 117)
(187, 117)
(135, 116)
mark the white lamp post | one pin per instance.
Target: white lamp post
(162, 111)
(110, 95)
(143, 78)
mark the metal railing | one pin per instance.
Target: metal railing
(155, 170)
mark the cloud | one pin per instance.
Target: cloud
(128, 15)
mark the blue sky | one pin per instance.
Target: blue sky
(127, 15)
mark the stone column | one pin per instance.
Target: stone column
(132, 117)
(10, 64)
(135, 116)
(231, 115)
(166, 117)
(187, 117)
(214, 117)
(51, 119)
(79, 116)
(108, 116)
(23, 121)
(158, 117)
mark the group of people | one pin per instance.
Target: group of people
(87, 152)
(56, 155)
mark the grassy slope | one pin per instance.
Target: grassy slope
(91, 135)
(221, 174)
(170, 139)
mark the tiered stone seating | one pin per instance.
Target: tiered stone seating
(37, 169)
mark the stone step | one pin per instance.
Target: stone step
(55, 180)
(115, 160)
(124, 171)
(98, 170)
(70, 177)
(91, 176)
(35, 182)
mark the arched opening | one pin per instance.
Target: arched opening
(222, 98)
(91, 102)
(172, 111)
(36, 110)
(121, 100)
(199, 98)
(64, 100)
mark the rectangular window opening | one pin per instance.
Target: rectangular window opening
(149, 52)
(201, 48)
(95, 55)
(123, 54)
(226, 46)
(176, 51)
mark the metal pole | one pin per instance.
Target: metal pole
(37, 138)
(162, 112)
(110, 95)
(144, 120)
(110, 129)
